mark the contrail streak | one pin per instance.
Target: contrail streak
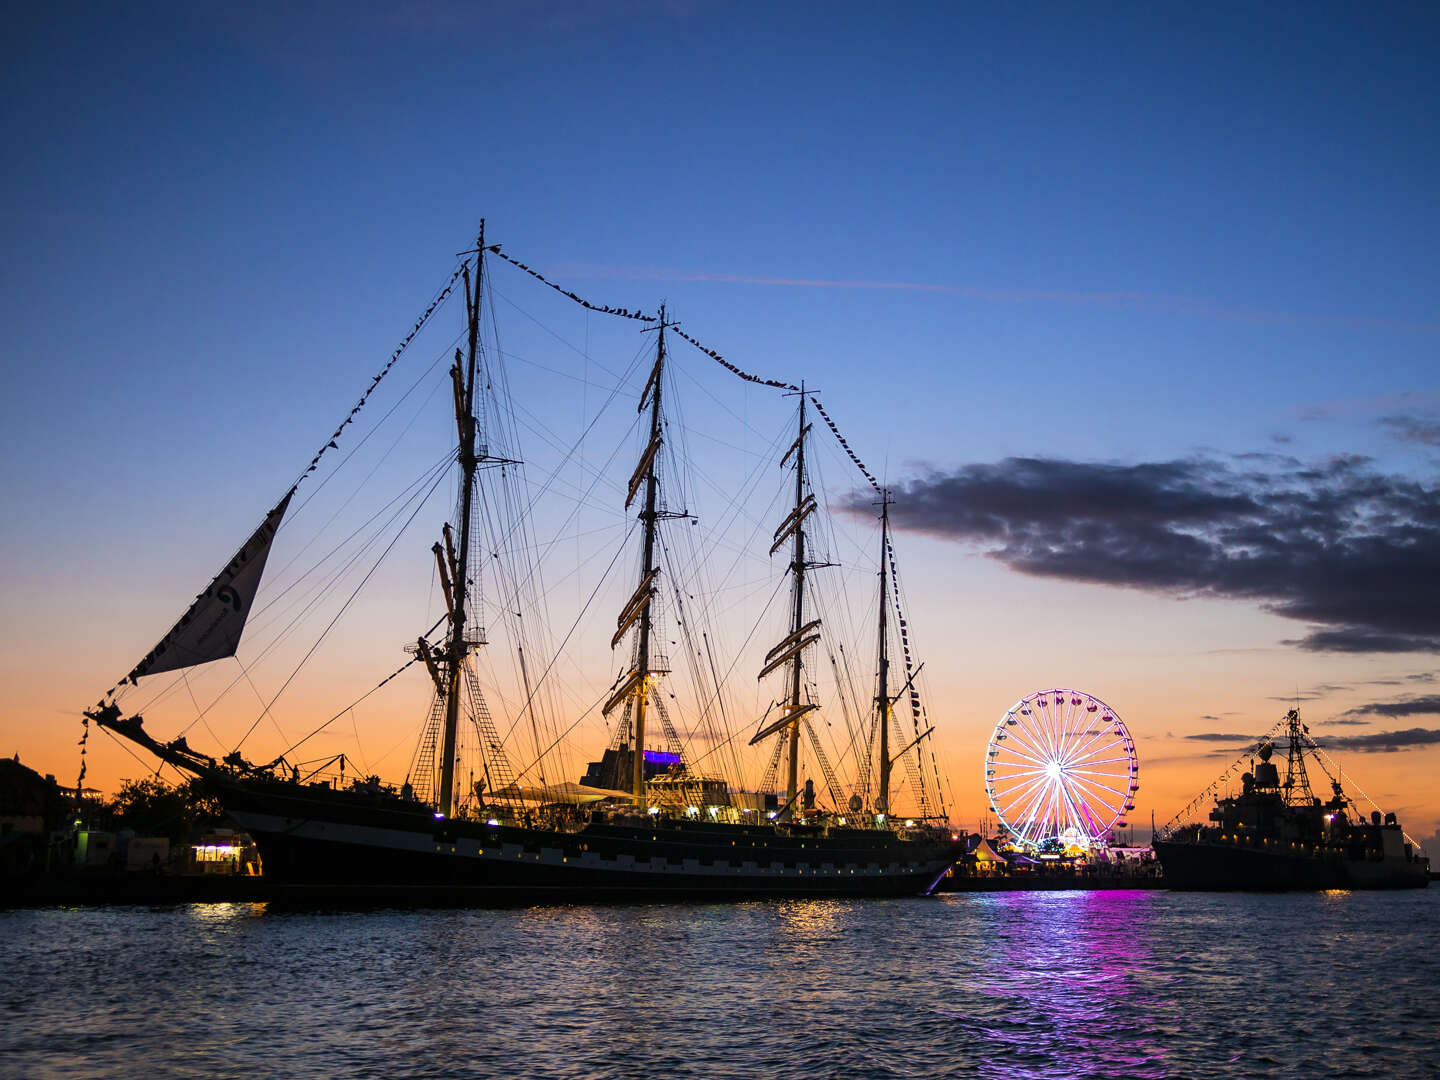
(1136, 300)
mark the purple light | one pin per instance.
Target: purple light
(661, 757)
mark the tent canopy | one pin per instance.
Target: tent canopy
(985, 853)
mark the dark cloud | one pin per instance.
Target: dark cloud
(1216, 736)
(1429, 705)
(1385, 741)
(1416, 429)
(1343, 723)
(1353, 552)
(1315, 694)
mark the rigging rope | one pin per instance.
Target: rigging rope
(424, 318)
(624, 313)
(641, 316)
(791, 387)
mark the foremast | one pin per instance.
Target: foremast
(462, 375)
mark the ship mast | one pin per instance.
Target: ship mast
(802, 634)
(1297, 780)
(797, 615)
(882, 693)
(635, 689)
(647, 568)
(456, 647)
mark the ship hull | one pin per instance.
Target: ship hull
(1210, 867)
(338, 849)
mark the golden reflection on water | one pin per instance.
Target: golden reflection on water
(807, 918)
(218, 915)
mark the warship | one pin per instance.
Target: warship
(1278, 835)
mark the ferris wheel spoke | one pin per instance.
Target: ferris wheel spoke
(1018, 787)
(1009, 767)
(1105, 797)
(1041, 762)
(1057, 727)
(1048, 812)
(1105, 774)
(1020, 795)
(1066, 725)
(1070, 733)
(1043, 728)
(1077, 811)
(1014, 765)
(1032, 807)
(1054, 809)
(1030, 743)
(1010, 797)
(1094, 736)
(1109, 761)
(1020, 775)
(1102, 777)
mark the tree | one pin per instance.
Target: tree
(154, 808)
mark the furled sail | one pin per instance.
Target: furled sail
(211, 629)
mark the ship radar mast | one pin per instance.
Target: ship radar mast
(1297, 780)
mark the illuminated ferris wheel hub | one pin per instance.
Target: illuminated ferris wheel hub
(1061, 771)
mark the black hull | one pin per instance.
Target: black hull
(322, 846)
(1207, 867)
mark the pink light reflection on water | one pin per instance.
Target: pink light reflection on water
(1072, 969)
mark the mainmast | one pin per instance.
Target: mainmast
(882, 692)
(457, 647)
(647, 565)
(797, 614)
(636, 612)
(790, 650)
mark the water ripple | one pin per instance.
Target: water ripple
(1106, 985)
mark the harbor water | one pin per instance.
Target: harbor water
(1019, 984)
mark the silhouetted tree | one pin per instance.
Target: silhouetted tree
(154, 808)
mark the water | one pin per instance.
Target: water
(1012, 985)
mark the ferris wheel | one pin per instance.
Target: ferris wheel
(1061, 769)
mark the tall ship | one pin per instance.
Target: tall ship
(495, 806)
(1277, 834)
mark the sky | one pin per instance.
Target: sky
(1133, 306)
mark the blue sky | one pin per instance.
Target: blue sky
(1116, 233)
